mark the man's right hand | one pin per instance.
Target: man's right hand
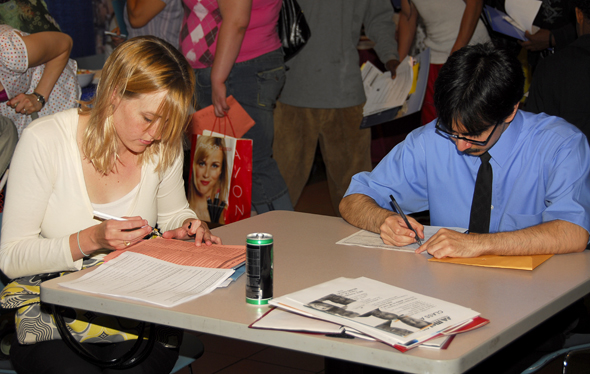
(394, 231)
(538, 41)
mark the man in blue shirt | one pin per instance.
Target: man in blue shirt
(540, 199)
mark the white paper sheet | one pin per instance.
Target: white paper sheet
(364, 238)
(384, 93)
(523, 12)
(140, 277)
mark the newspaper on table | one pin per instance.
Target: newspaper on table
(387, 313)
(370, 239)
(280, 319)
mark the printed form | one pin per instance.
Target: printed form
(144, 278)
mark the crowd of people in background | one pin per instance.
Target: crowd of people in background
(315, 99)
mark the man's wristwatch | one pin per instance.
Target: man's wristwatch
(40, 98)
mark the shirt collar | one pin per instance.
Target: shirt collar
(501, 151)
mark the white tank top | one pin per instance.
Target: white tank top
(118, 208)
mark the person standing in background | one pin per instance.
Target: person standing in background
(561, 84)
(161, 18)
(450, 25)
(323, 97)
(557, 23)
(234, 47)
(36, 75)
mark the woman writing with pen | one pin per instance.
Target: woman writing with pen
(122, 156)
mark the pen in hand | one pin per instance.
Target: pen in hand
(103, 217)
(399, 211)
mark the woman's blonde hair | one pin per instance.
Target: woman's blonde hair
(204, 147)
(141, 65)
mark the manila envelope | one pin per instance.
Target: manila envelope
(235, 124)
(506, 262)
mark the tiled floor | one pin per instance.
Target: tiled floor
(231, 356)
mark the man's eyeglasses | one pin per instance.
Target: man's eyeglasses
(441, 129)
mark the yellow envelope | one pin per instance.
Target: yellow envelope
(506, 262)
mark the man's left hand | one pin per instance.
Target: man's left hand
(391, 66)
(450, 243)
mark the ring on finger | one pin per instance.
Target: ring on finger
(127, 243)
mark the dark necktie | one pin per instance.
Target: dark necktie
(481, 206)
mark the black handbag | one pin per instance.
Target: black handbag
(293, 29)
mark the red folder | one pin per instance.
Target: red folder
(235, 124)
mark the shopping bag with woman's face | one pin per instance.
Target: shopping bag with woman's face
(220, 182)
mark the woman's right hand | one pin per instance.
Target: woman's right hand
(218, 92)
(112, 234)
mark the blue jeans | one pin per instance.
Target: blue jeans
(256, 84)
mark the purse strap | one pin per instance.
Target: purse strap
(131, 358)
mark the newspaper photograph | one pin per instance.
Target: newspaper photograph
(388, 313)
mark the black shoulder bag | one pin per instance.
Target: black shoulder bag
(293, 29)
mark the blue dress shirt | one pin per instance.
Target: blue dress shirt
(541, 167)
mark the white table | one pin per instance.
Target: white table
(305, 254)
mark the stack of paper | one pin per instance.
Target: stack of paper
(384, 93)
(395, 316)
(187, 253)
(163, 271)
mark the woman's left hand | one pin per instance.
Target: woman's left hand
(25, 104)
(193, 228)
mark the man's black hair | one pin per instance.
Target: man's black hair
(478, 86)
(584, 6)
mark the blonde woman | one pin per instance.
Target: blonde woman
(120, 156)
(210, 181)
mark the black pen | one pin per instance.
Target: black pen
(399, 211)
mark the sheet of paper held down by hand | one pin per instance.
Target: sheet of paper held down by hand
(370, 239)
(144, 278)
